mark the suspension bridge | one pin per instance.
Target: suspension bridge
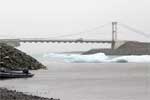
(115, 43)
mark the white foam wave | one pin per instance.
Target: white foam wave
(132, 58)
(99, 57)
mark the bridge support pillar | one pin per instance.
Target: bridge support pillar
(113, 45)
(114, 34)
(117, 44)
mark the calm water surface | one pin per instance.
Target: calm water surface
(87, 81)
(83, 81)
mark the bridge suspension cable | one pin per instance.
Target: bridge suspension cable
(84, 32)
(135, 30)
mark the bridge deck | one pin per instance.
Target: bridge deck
(66, 41)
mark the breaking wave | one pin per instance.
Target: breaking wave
(98, 58)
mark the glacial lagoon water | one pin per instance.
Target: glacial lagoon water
(92, 77)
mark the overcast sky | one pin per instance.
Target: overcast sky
(46, 18)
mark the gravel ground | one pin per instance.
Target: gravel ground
(6, 94)
(14, 59)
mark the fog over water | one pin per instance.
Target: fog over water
(81, 78)
(52, 18)
(84, 80)
(73, 76)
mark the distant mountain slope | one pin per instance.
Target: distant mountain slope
(129, 48)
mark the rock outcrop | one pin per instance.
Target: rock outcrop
(14, 59)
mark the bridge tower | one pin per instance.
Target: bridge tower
(114, 34)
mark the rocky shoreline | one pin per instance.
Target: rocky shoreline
(6, 94)
(14, 59)
(129, 48)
